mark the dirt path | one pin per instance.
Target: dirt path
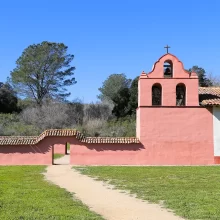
(101, 198)
(65, 160)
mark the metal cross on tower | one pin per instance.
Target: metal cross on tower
(167, 47)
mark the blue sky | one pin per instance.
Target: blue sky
(112, 36)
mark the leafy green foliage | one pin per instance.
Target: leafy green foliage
(112, 85)
(121, 127)
(43, 71)
(121, 101)
(133, 102)
(25, 194)
(122, 92)
(126, 100)
(75, 111)
(203, 80)
(188, 191)
(8, 99)
(25, 103)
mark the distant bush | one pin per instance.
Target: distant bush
(93, 127)
(10, 124)
(97, 111)
(91, 119)
(122, 127)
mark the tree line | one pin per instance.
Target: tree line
(34, 97)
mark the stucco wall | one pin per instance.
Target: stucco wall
(169, 136)
(138, 123)
(146, 81)
(107, 154)
(178, 68)
(60, 148)
(216, 127)
(217, 160)
(168, 91)
(177, 135)
(40, 154)
(173, 135)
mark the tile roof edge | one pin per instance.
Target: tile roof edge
(31, 140)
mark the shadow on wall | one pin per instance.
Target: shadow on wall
(115, 147)
(25, 149)
(207, 96)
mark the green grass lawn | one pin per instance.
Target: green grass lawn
(56, 156)
(24, 194)
(191, 192)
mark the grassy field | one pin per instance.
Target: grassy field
(24, 194)
(191, 192)
(56, 156)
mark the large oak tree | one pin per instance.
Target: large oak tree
(43, 71)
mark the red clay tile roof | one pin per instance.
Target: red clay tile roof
(31, 140)
(211, 102)
(209, 96)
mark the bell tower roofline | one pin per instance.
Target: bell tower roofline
(178, 70)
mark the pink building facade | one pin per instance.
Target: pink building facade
(171, 123)
(178, 123)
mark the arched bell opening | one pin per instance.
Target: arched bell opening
(168, 69)
(180, 95)
(156, 94)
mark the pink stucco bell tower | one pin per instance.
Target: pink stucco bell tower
(170, 120)
(168, 72)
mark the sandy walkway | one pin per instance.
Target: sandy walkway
(63, 160)
(101, 198)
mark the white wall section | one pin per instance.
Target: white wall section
(216, 129)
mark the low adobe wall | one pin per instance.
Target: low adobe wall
(39, 154)
(107, 154)
(137, 154)
(164, 150)
(60, 148)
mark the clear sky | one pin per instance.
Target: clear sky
(108, 37)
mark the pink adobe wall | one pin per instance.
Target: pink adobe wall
(193, 146)
(137, 122)
(178, 68)
(39, 154)
(169, 136)
(173, 135)
(106, 154)
(217, 160)
(59, 148)
(146, 81)
(168, 91)
(177, 136)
